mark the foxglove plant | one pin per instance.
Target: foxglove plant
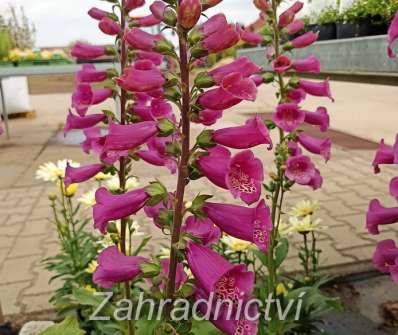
(385, 257)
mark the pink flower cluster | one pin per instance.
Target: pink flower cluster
(385, 257)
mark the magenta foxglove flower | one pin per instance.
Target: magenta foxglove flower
(262, 5)
(221, 39)
(245, 176)
(94, 140)
(127, 137)
(154, 212)
(203, 229)
(181, 276)
(218, 99)
(215, 166)
(215, 23)
(189, 12)
(253, 133)
(394, 187)
(239, 87)
(208, 117)
(309, 64)
(114, 267)
(82, 122)
(110, 207)
(141, 80)
(316, 145)
(385, 258)
(85, 51)
(81, 174)
(251, 37)
(210, 3)
(98, 14)
(109, 26)
(158, 109)
(300, 169)
(249, 224)
(378, 215)
(157, 9)
(242, 65)
(215, 274)
(304, 40)
(392, 36)
(142, 40)
(316, 181)
(295, 27)
(89, 74)
(157, 155)
(154, 57)
(384, 155)
(294, 148)
(281, 64)
(318, 118)
(83, 97)
(318, 89)
(296, 95)
(146, 21)
(134, 4)
(288, 15)
(288, 116)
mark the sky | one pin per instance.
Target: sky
(59, 23)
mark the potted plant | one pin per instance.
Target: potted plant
(327, 23)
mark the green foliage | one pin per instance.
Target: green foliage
(70, 326)
(5, 42)
(329, 14)
(21, 30)
(378, 11)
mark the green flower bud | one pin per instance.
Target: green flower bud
(150, 269)
(164, 47)
(268, 77)
(166, 127)
(204, 80)
(199, 52)
(204, 140)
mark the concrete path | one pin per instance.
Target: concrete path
(26, 236)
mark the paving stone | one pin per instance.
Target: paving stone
(25, 246)
(36, 227)
(3, 255)
(17, 269)
(34, 303)
(362, 253)
(345, 237)
(9, 295)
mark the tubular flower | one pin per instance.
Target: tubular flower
(189, 12)
(83, 97)
(215, 165)
(215, 23)
(142, 40)
(181, 276)
(288, 116)
(109, 27)
(245, 176)
(208, 117)
(94, 140)
(114, 267)
(82, 122)
(295, 27)
(253, 133)
(221, 39)
(154, 212)
(281, 64)
(134, 4)
(318, 118)
(154, 57)
(318, 89)
(239, 87)
(111, 207)
(242, 65)
(385, 258)
(158, 9)
(300, 169)
(98, 14)
(392, 36)
(127, 137)
(141, 79)
(146, 21)
(316, 146)
(394, 187)
(206, 4)
(81, 174)
(218, 99)
(262, 5)
(304, 40)
(288, 15)
(203, 229)
(89, 74)
(385, 155)
(214, 274)
(296, 95)
(157, 110)
(85, 51)
(378, 215)
(248, 224)
(294, 148)
(250, 37)
(309, 64)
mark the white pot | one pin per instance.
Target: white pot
(16, 93)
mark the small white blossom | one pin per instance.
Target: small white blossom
(53, 171)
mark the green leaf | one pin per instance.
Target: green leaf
(204, 328)
(281, 251)
(70, 326)
(261, 256)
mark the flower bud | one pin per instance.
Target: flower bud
(52, 196)
(166, 127)
(204, 80)
(189, 12)
(164, 47)
(157, 191)
(268, 77)
(150, 269)
(199, 52)
(206, 4)
(195, 37)
(262, 5)
(204, 140)
(170, 17)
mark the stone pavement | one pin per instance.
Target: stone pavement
(26, 236)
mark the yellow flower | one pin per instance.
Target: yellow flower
(305, 225)
(88, 198)
(89, 288)
(235, 244)
(304, 208)
(53, 171)
(15, 55)
(46, 54)
(283, 228)
(114, 185)
(92, 267)
(70, 190)
(102, 176)
(281, 289)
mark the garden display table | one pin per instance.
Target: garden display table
(26, 71)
